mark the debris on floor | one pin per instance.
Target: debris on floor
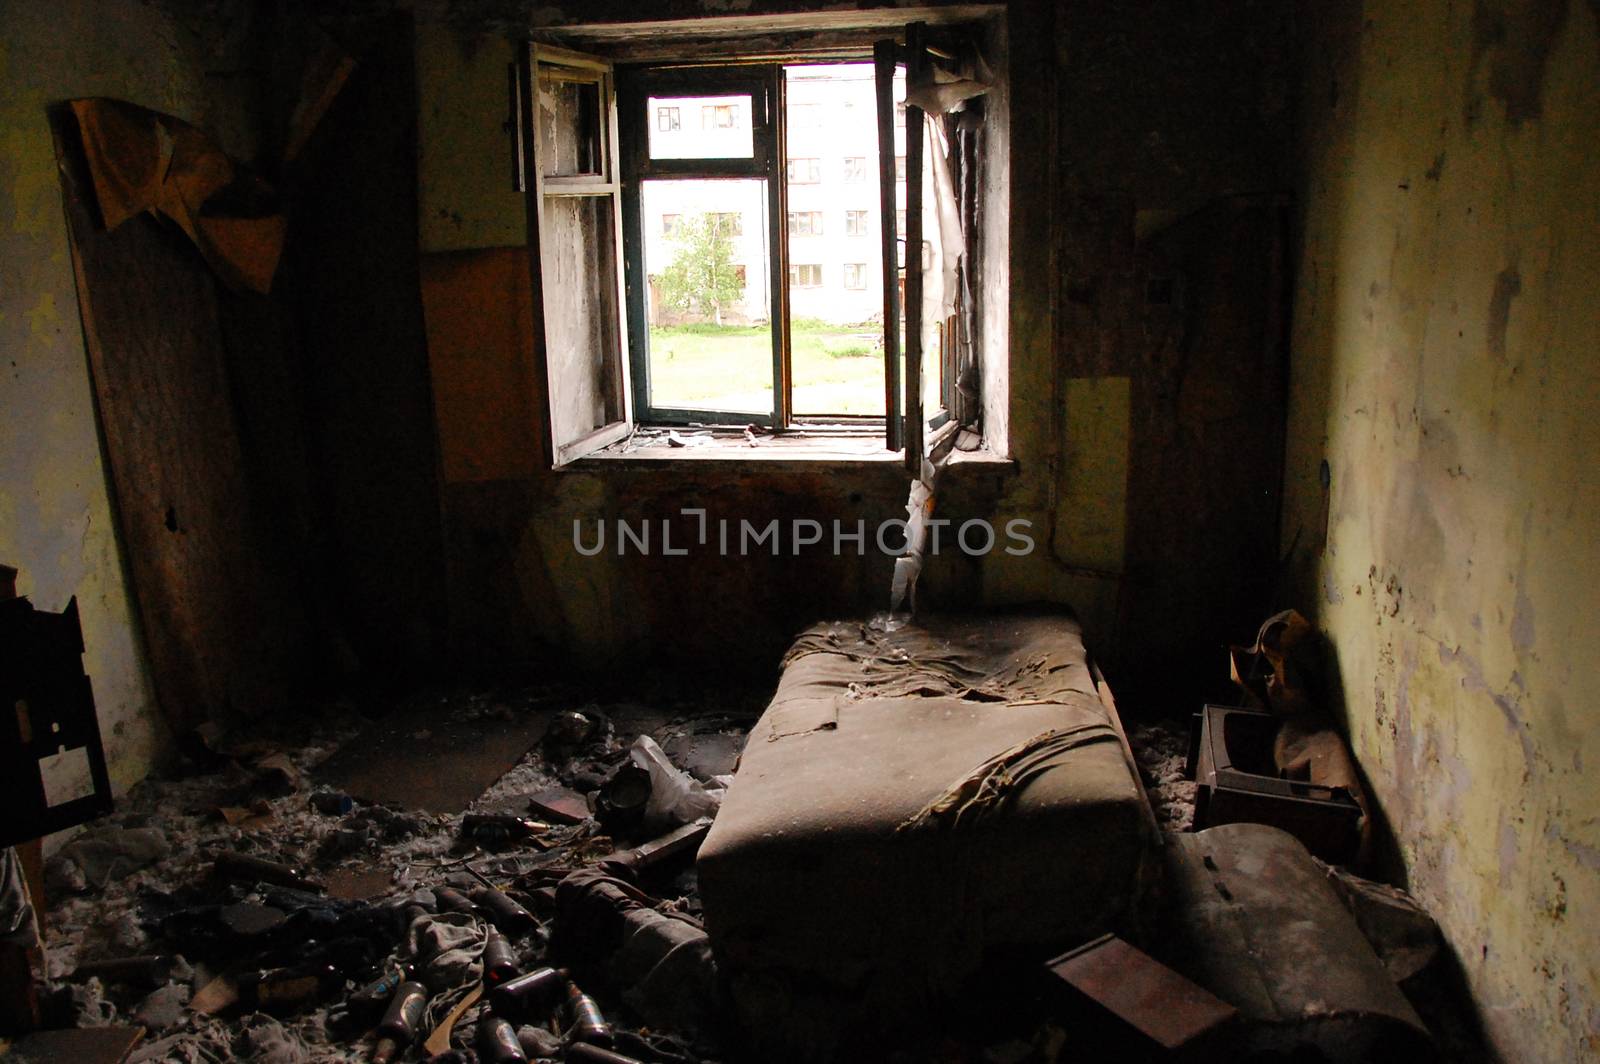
(511, 875)
(280, 901)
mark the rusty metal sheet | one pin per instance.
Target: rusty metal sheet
(1163, 1007)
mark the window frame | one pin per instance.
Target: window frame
(624, 163)
(763, 84)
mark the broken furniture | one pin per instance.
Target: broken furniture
(1239, 782)
(1250, 916)
(911, 801)
(52, 766)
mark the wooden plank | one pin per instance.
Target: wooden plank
(883, 60)
(80, 1045)
(150, 317)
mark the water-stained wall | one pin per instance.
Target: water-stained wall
(56, 519)
(1444, 367)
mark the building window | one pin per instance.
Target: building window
(900, 223)
(679, 257)
(899, 167)
(805, 223)
(719, 116)
(900, 115)
(804, 171)
(806, 116)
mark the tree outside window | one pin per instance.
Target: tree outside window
(703, 276)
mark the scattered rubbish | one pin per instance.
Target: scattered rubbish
(530, 996)
(499, 960)
(498, 830)
(162, 1007)
(228, 865)
(504, 911)
(439, 1040)
(622, 799)
(683, 840)
(586, 1022)
(583, 1053)
(675, 796)
(332, 803)
(660, 962)
(539, 1042)
(497, 1041)
(569, 728)
(285, 991)
(398, 1029)
(559, 806)
(145, 972)
(100, 855)
(248, 919)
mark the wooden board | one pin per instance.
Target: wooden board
(82, 1045)
(150, 318)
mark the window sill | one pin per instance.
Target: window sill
(808, 452)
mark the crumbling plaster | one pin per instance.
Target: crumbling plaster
(1444, 340)
(56, 518)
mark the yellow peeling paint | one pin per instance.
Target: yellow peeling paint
(1443, 365)
(43, 319)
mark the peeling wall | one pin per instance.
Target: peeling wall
(1444, 367)
(56, 522)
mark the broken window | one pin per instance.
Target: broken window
(667, 246)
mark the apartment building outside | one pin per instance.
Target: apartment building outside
(835, 257)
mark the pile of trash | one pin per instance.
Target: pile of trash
(245, 911)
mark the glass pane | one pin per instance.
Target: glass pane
(706, 258)
(835, 256)
(569, 124)
(700, 127)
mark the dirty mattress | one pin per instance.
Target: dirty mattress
(911, 803)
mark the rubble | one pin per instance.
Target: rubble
(224, 934)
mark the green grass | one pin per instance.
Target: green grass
(838, 369)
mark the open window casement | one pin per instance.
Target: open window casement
(659, 212)
(566, 106)
(735, 162)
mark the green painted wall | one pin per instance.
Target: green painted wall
(56, 524)
(1444, 364)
